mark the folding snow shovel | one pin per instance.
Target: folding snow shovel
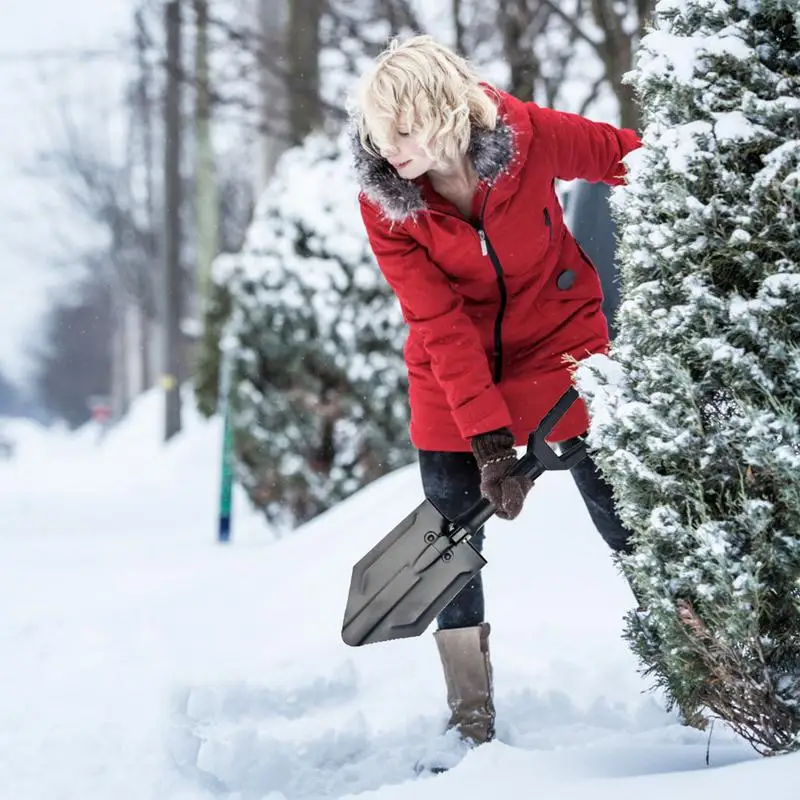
(400, 585)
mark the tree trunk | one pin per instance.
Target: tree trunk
(173, 288)
(305, 109)
(273, 22)
(516, 20)
(458, 27)
(617, 49)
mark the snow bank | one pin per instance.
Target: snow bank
(141, 659)
(128, 472)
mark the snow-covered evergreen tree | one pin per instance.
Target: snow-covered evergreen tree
(696, 417)
(319, 380)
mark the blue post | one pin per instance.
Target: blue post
(226, 473)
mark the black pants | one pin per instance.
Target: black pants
(451, 481)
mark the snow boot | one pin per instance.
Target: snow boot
(468, 676)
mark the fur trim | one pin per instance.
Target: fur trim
(491, 151)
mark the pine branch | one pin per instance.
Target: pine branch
(748, 703)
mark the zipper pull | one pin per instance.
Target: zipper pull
(482, 237)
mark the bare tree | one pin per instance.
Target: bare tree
(521, 24)
(270, 73)
(98, 188)
(622, 24)
(74, 361)
(303, 37)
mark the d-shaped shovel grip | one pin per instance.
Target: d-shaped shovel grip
(538, 458)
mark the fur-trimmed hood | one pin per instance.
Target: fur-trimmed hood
(491, 151)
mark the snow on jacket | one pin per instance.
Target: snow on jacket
(495, 303)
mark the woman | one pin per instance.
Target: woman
(457, 195)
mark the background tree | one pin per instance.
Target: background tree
(74, 361)
(95, 181)
(697, 418)
(319, 381)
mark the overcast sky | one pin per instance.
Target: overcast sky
(31, 86)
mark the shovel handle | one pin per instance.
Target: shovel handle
(539, 458)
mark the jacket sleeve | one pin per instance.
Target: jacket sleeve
(434, 311)
(582, 148)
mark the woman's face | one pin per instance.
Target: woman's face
(407, 156)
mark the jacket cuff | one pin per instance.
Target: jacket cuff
(486, 412)
(493, 444)
(628, 141)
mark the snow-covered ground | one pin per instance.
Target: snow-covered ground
(141, 659)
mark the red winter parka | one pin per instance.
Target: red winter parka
(495, 303)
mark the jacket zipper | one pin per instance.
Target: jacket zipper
(488, 250)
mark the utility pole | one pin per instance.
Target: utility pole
(172, 288)
(207, 212)
(150, 316)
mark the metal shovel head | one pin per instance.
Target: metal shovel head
(419, 567)
(398, 586)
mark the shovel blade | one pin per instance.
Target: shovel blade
(419, 567)
(400, 585)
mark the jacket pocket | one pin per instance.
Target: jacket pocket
(574, 278)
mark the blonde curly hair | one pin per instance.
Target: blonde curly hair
(422, 88)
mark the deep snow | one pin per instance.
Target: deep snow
(141, 659)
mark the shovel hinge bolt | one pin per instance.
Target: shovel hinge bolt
(447, 555)
(430, 537)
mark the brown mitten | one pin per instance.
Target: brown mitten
(495, 454)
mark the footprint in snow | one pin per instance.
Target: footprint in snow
(254, 741)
